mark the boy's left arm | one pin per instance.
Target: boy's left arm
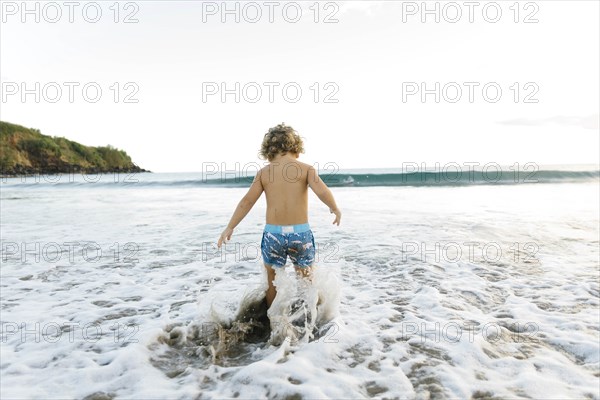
(242, 209)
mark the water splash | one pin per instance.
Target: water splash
(234, 329)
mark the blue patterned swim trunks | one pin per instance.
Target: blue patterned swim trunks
(281, 241)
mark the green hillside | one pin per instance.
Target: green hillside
(27, 151)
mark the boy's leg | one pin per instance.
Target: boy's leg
(271, 291)
(307, 273)
(304, 272)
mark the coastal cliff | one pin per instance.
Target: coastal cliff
(25, 151)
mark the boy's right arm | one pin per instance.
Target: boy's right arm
(323, 193)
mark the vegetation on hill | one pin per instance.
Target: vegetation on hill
(27, 151)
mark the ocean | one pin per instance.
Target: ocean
(436, 285)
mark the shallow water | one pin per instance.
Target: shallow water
(425, 292)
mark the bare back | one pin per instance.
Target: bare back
(285, 183)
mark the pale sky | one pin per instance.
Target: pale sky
(178, 47)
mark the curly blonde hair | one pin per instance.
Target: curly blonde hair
(281, 139)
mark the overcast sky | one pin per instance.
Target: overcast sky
(372, 61)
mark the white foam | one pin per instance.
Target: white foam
(371, 296)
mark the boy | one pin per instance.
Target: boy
(285, 182)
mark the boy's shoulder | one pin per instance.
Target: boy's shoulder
(303, 165)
